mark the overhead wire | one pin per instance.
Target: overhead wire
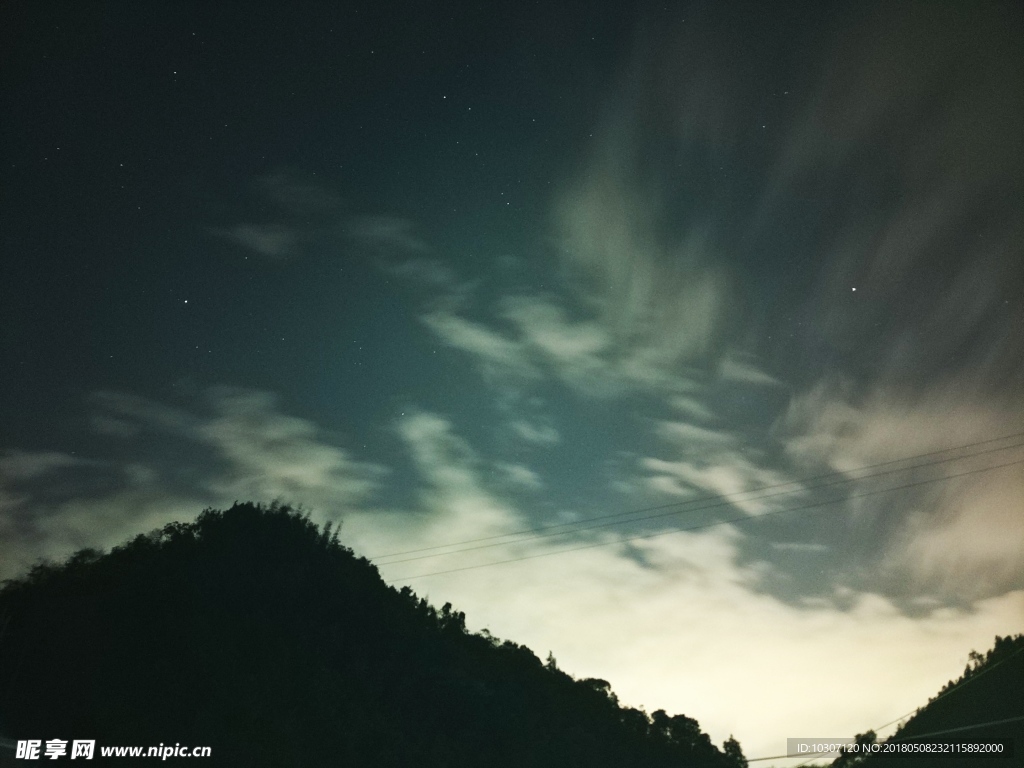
(725, 500)
(844, 477)
(954, 689)
(841, 476)
(701, 526)
(958, 687)
(959, 729)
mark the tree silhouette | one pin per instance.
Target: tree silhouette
(983, 706)
(857, 755)
(255, 632)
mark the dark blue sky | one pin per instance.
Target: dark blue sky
(452, 272)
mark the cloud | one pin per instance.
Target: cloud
(663, 302)
(545, 327)
(424, 271)
(268, 454)
(538, 434)
(685, 628)
(295, 192)
(892, 165)
(453, 501)
(696, 440)
(721, 464)
(747, 369)
(962, 538)
(730, 478)
(301, 212)
(911, 132)
(22, 465)
(692, 408)
(707, 247)
(677, 621)
(971, 545)
(798, 546)
(497, 355)
(134, 414)
(572, 351)
(232, 444)
(385, 235)
(269, 240)
(533, 338)
(640, 276)
(56, 510)
(519, 476)
(641, 247)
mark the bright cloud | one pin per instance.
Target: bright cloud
(963, 538)
(684, 626)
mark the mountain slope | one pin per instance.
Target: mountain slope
(253, 632)
(991, 691)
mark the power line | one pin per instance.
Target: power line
(712, 524)
(955, 688)
(961, 728)
(959, 687)
(975, 726)
(843, 477)
(794, 509)
(725, 500)
(701, 526)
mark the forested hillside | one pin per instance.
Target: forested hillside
(985, 705)
(255, 632)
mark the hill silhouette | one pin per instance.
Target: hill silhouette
(990, 691)
(254, 632)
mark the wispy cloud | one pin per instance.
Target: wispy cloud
(661, 299)
(387, 235)
(273, 241)
(296, 212)
(498, 356)
(536, 433)
(718, 462)
(519, 476)
(299, 214)
(268, 454)
(231, 444)
(22, 465)
(962, 538)
(298, 193)
(823, 277)
(454, 493)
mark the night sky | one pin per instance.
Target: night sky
(451, 272)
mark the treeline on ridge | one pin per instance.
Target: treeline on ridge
(255, 632)
(984, 706)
